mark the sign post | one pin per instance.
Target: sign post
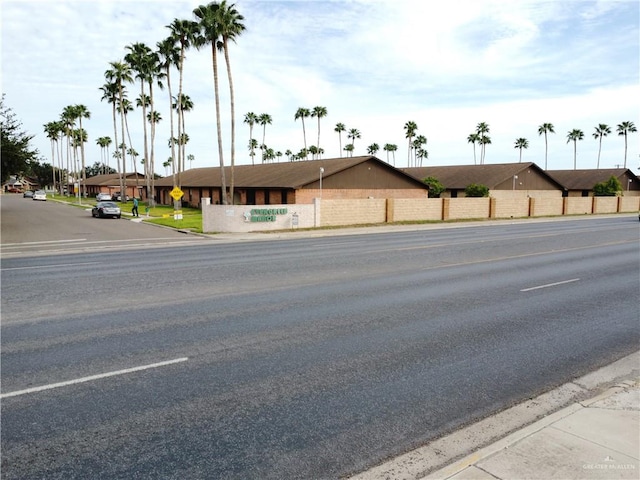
(176, 194)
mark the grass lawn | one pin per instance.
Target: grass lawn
(160, 214)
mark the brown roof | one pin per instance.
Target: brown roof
(458, 177)
(586, 179)
(113, 179)
(294, 175)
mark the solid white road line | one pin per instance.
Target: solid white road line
(38, 267)
(92, 377)
(550, 285)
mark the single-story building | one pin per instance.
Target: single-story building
(110, 183)
(295, 182)
(580, 183)
(506, 179)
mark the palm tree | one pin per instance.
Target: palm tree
(264, 119)
(353, 134)
(622, 129)
(51, 129)
(602, 130)
(103, 143)
(373, 149)
(169, 55)
(140, 59)
(303, 113)
(319, 112)
(417, 144)
(420, 154)
(349, 149)
(573, 136)
(251, 119)
(184, 33)
(410, 129)
(544, 129)
(339, 129)
(474, 138)
(110, 94)
(230, 27)
(80, 112)
(482, 129)
(119, 74)
(521, 143)
(182, 104)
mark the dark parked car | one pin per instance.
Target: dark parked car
(28, 194)
(106, 209)
(116, 197)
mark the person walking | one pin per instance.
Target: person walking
(134, 210)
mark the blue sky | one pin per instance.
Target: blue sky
(376, 64)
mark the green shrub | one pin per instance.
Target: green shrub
(610, 188)
(474, 190)
(435, 187)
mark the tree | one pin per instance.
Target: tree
(349, 149)
(80, 112)
(373, 149)
(52, 130)
(185, 33)
(609, 188)
(119, 74)
(435, 187)
(230, 27)
(319, 112)
(475, 190)
(410, 129)
(17, 153)
(573, 136)
(520, 144)
(168, 56)
(264, 119)
(602, 130)
(623, 129)
(391, 147)
(250, 119)
(353, 134)
(482, 129)
(474, 138)
(339, 129)
(543, 130)
(418, 152)
(301, 114)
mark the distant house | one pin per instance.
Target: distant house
(110, 183)
(504, 179)
(296, 182)
(579, 183)
(18, 184)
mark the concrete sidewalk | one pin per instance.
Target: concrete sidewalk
(586, 429)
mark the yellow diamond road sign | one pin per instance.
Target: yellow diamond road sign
(176, 193)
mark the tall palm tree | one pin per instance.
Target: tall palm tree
(230, 28)
(417, 144)
(119, 74)
(573, 136)
(543, 130)
(81, 111)
(169, 56)
(482, 129)
(67, 119)
(253, 144)
(110, 94)
(339, 129)
(209, 33)
(301, 114)
(264, 119)
(51, 129)
(319, 112)
(182, 104)
(140, 59)
(520, 144)
(250, 119)
(410, 129)
(349, 149)
(623, 129)
(184, 33)
(353, 134)
(602, 130)
(420, 154)
(474, 138)
(373, 149)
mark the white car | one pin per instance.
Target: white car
(103, 197)
(40, 195)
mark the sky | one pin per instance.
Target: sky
(373, 64)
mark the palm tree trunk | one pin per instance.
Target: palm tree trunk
(545, 150)
(223, 181)
(233, 120)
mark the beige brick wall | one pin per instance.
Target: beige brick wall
(407, 209)
(629, 204)
(510, 208)
(605, 204)
(508, 194)
(546, 206)
(352, 212)
(578, 205)
(465, 208)
(307, 196)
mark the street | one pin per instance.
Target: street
(299, 358)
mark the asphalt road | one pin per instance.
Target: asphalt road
(305, 358)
